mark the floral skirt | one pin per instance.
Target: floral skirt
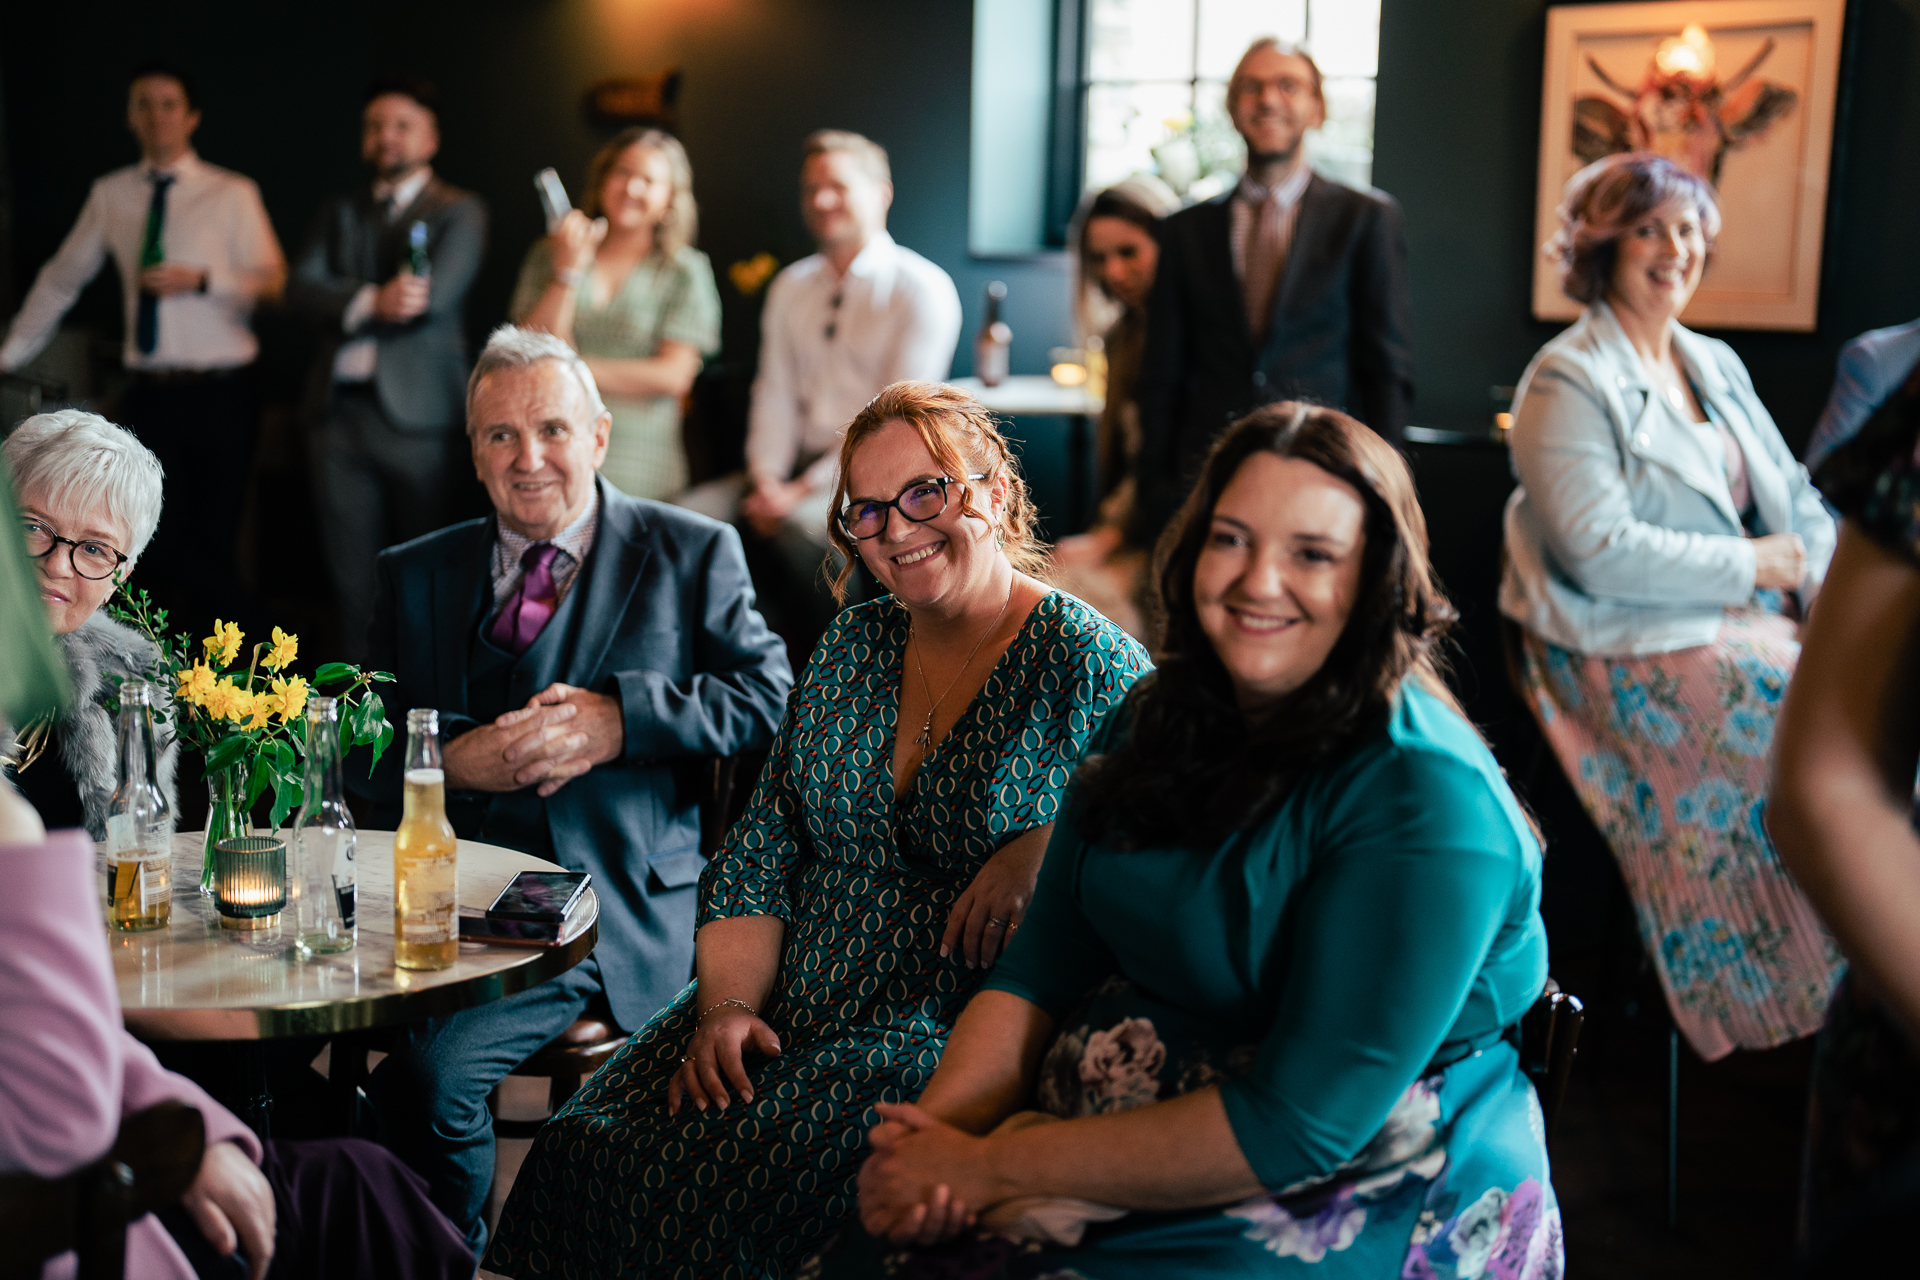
(1670, 754)
(1455, 1184)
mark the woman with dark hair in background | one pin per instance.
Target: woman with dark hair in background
(1661, 548)
(619, 278)
(886, 856)
(1261, 1018)
(1118, 254)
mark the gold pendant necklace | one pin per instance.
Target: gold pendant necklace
(926, 730)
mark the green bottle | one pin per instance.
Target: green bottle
(417, 261)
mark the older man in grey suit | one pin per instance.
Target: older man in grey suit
(385, 274)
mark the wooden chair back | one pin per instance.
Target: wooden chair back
(153, 1161)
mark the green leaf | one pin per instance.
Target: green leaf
(368, 719)
(226, 753)
(381, 677)
(287, 795)
(283, 758)
(258, 778)
(380, 745)
(335, 672)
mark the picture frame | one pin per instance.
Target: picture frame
(1740, 91)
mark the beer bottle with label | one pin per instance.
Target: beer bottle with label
(138, 862)
(425, 930)
(417, 261)
(323, 843)
(993, 348)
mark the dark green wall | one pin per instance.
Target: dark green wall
(1457, 143)
(283, 84)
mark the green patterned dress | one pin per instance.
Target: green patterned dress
(864, 881)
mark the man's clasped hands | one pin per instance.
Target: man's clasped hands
(561, 733)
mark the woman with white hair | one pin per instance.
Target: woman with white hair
(620, 280)
(89, 495)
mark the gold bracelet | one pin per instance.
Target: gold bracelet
(741, 1004)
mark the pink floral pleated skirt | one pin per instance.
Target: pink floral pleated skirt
(1671, 755)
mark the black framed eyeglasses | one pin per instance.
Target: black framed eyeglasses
(919, 502)
(90, 558)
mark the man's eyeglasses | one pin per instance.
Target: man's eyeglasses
(90, 557)
(919, 502)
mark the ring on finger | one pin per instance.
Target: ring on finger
(996, 921)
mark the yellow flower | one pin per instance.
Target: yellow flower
(217, 699)
(285, 647)
(289, 697)
(750, 273)
(224, 644)
(250, 710)
(196, 682)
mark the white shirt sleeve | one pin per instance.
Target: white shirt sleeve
(58, 284)
(773, 421)
(255, 266)
(930, 332)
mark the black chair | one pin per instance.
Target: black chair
(577, 1052)
(1512, 643)
(152, 1163)
(1549, 1039)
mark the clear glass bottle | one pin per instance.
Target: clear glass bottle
(138, 862)
(322, 886)
(425, 858)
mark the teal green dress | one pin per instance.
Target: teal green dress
(1349, 974)
(864, 880)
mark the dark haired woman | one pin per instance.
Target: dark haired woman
(1305, 905)
(1660, 549)
(888, 853)
(1118, 257)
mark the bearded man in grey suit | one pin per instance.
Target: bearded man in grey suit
(384, 274)
(585, 651)
(1289, 287)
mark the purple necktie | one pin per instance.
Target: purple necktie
(532, 602)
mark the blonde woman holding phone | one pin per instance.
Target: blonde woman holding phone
(620, 280)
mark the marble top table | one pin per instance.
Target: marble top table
(197, 981)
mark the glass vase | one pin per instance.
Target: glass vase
(226, 816)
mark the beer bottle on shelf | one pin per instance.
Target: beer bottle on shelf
(417, 261)
(323, 843)
(138, 863)
(425, 931)
(993, 348)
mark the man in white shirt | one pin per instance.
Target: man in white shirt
(839, 325)
(195, 252)
(385, 397)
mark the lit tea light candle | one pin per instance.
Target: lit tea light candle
(250, 882)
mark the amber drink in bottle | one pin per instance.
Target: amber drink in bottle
(425, 931)
(139, 850)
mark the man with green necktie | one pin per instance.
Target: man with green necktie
(195, 252)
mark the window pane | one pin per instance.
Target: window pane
(1140, 40)
(1227, 27)
(1126, 124)
(1345, 36)
(1343, 148)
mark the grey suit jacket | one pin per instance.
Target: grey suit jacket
(421, 376)
(1341, 334)
(668, 627)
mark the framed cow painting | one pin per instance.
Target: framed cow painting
(1739, 91)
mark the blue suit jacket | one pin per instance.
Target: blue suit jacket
(670, 629)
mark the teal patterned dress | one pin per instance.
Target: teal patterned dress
(1349, 974)
(864, 881)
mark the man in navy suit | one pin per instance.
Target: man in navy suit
(584, 649)
(1290, 286)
